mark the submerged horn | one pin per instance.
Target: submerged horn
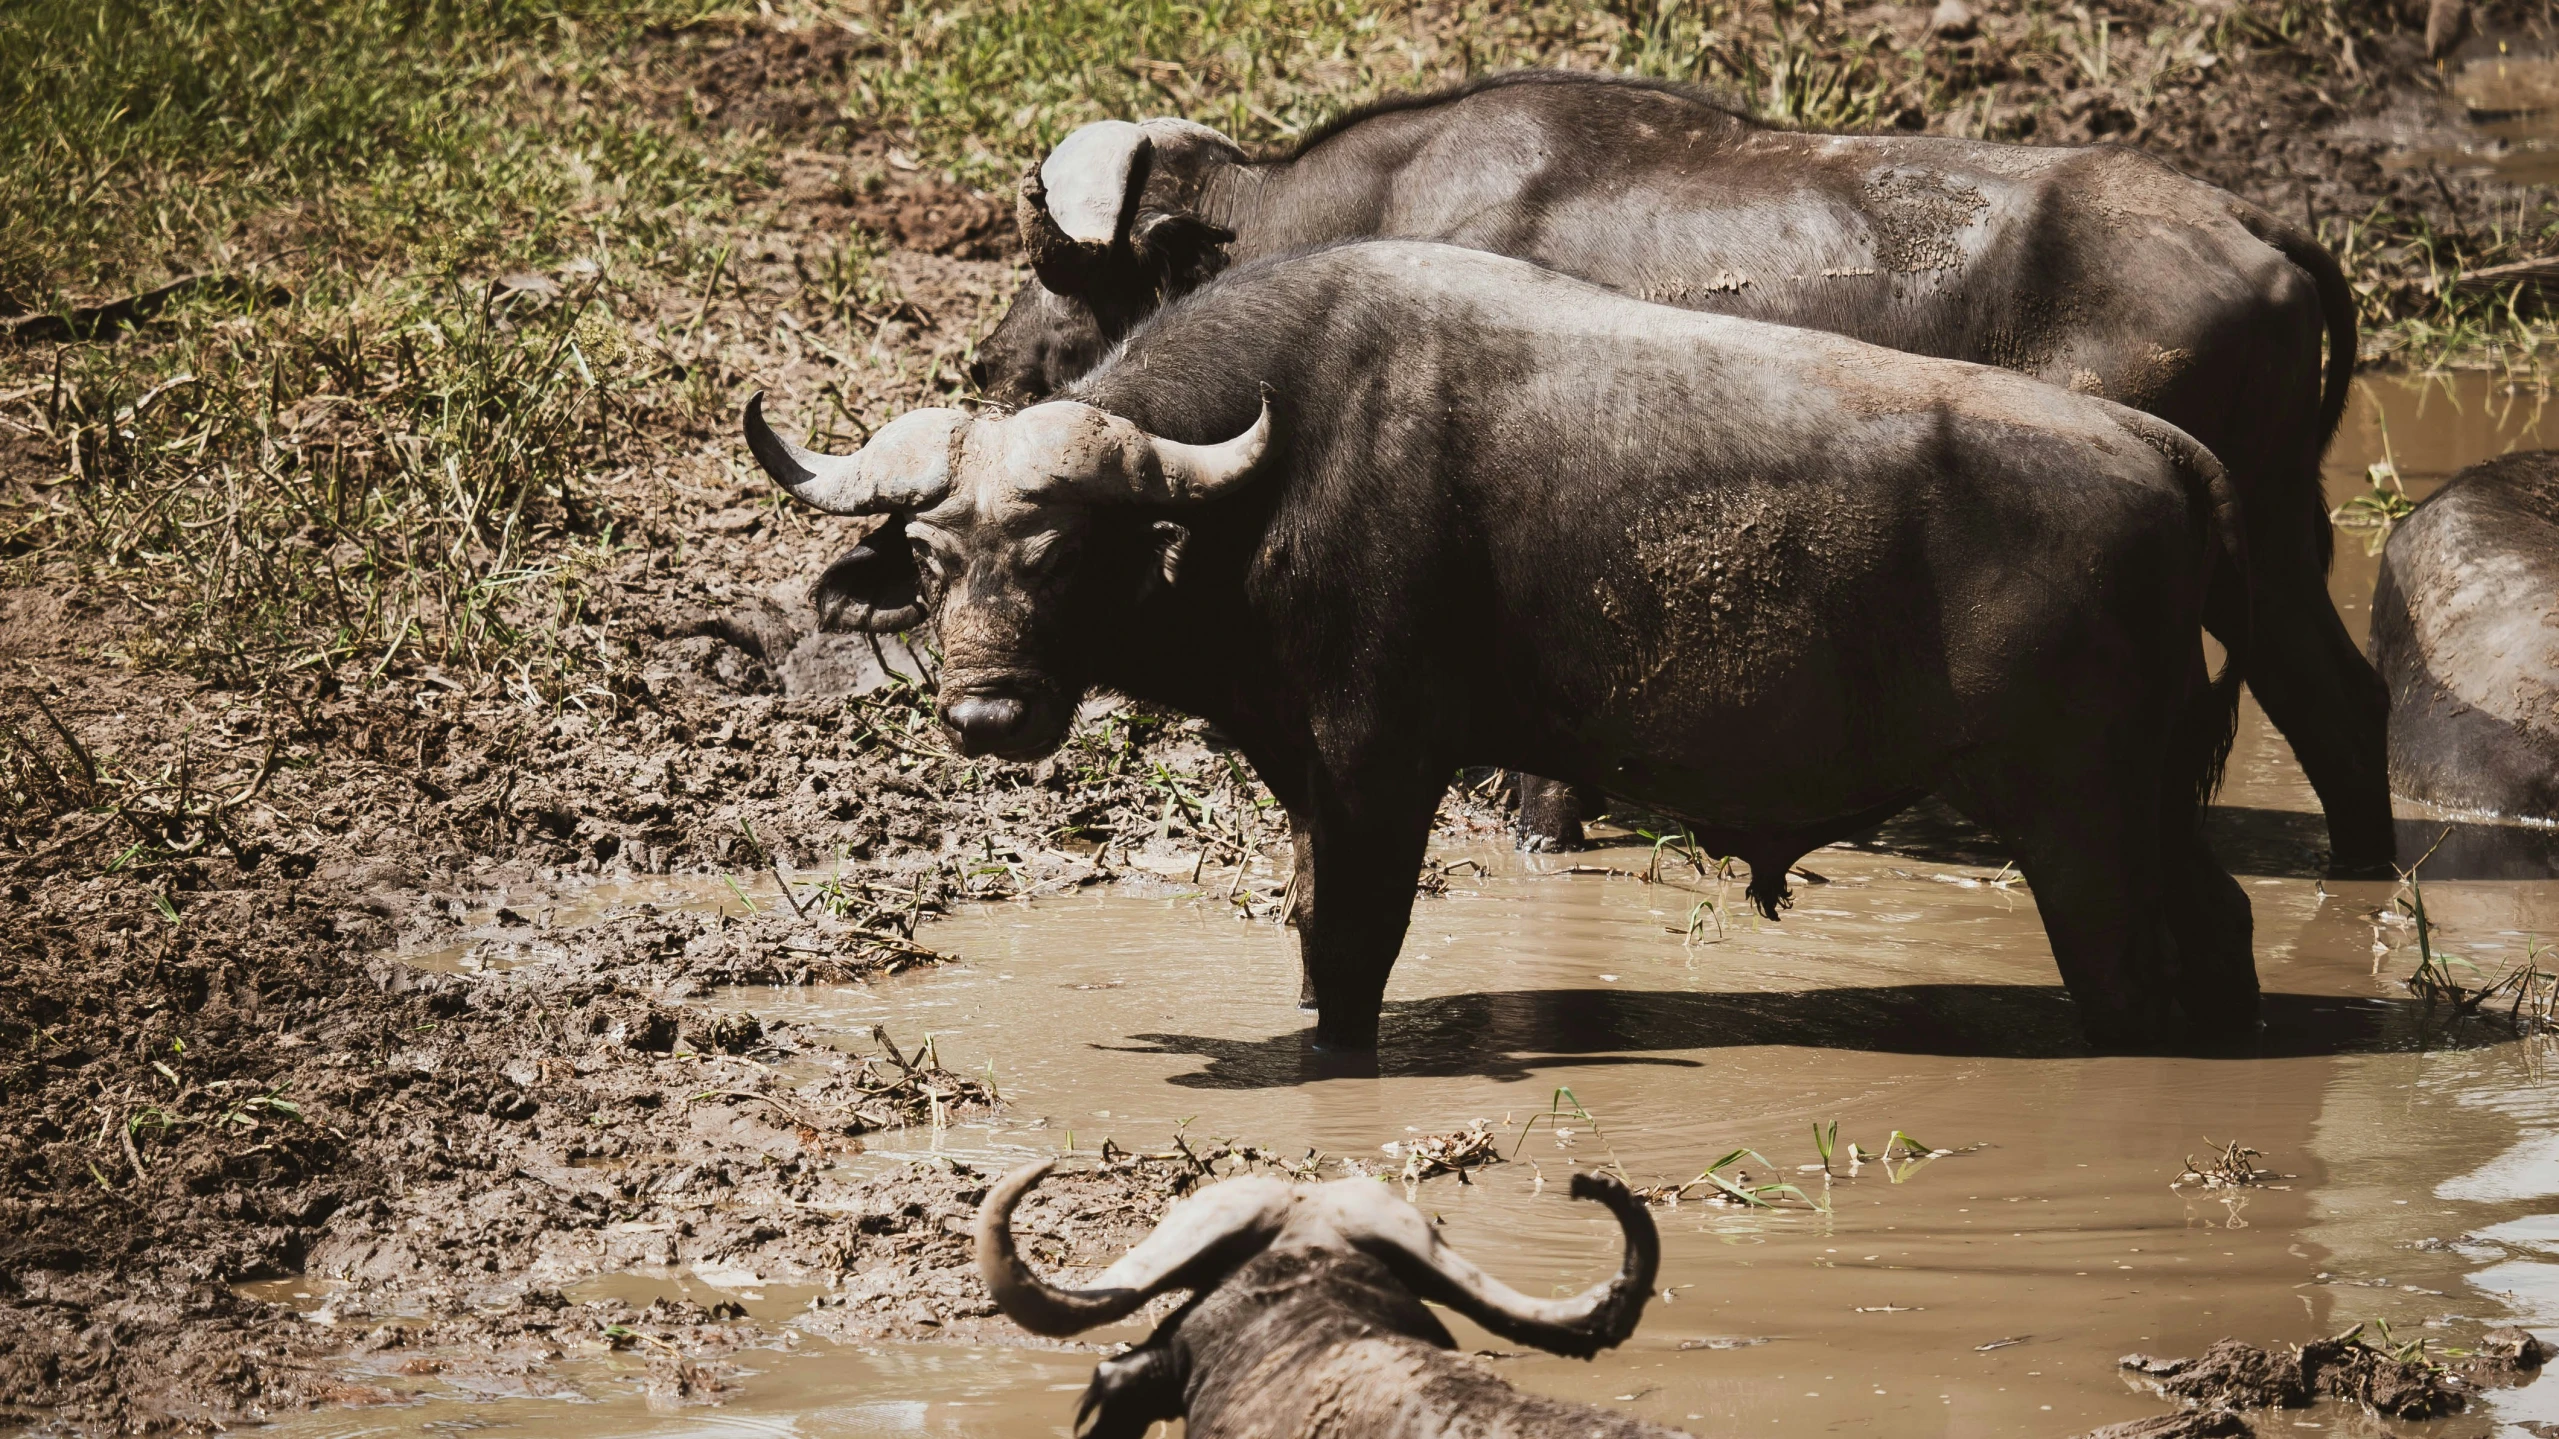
(1199, 472)
(1601, 1317)
(906, 466)
(1204, 1236)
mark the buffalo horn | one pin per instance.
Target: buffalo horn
(1600, 1317)
(906, 466)
(1201, 472)
(1087, 179)
(1203, 1237)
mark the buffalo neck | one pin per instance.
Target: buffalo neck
(1179, 647)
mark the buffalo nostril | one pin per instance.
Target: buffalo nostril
(977, 373)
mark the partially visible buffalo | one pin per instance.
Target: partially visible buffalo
(1393, 508)
(1306, 1318)
(2465, 629)
(2100, 270)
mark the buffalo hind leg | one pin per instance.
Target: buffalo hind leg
(2090, 856)
(2215, 959)
(1366, 851)
(1300, 906)
(2331, 706)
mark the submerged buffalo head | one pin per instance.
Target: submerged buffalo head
(1110, 225)
(1019, 534)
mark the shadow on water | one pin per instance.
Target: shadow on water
(1515, 1034)
(2258, 842)
(2285, 844)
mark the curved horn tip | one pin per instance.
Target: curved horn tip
(1009, 1190)
(773, 454)
(1200, 472)
(1621, 1301)
(1603, 1187)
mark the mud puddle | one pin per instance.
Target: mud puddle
(1986, 1291)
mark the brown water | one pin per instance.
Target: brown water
(1986, 1292)
(2512, 103)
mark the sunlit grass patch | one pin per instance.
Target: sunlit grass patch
(342, 486)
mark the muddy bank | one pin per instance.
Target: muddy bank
(223, 1073)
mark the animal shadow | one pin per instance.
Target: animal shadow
(2262, 843)
(1514, 1034)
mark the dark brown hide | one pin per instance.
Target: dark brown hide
(2465, 629)
(1769, 578)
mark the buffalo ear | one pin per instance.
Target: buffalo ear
(1169, 539)
(874, 587)
(1181, 250)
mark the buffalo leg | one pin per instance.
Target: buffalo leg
(2090, 854)
(1551, 812)
(2330, 705)
(1301, 897)
(2215, 959)
(1366, 851)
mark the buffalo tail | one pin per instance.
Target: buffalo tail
(2337, 307)
(2210, 724)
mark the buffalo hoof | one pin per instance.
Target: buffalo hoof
(1551, 814)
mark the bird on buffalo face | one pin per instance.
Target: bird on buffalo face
(1306, 1317)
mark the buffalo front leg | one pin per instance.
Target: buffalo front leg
(2332, 708)
(1300, 902)
(1365, 854)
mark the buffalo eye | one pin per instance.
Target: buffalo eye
(1045, 553)
(928, 560)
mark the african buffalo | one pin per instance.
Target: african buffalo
(1432, 507)
(1306, 1317)
(2465, 629)
(2097, 269)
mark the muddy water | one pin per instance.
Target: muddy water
(2512, 104)
(1983, 1292)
